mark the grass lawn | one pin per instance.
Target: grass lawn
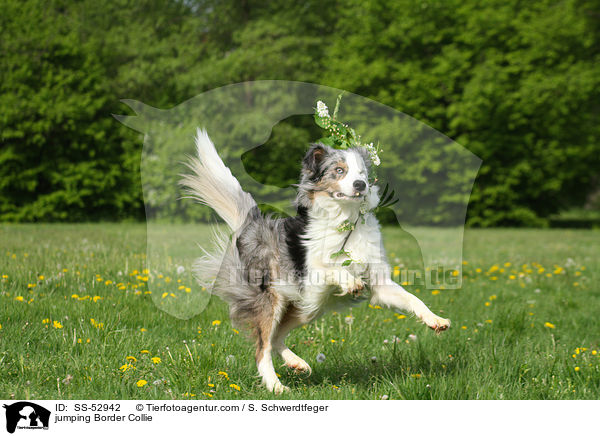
(78, 321)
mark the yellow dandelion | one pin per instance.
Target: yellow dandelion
(207, 394)
(576, 368)
(144, 352)
(141, 383)
(57, 325)
(156, 360)
(549, 325)
(488, 304)
(512, 277)
(234, 386)
(489, 321)
(75, 296)
(435, 292)
(464, 327)
(478, 270)
(216, 322)
(96, 298)
(19, 298)
(46, 321)
(164, 294)
(237, 332)
(143, 330)
(133, 359)
(224, 374)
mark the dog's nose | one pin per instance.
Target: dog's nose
(359, 185)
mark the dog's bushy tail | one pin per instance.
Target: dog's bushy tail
(211, 183)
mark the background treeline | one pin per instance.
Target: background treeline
(515, 82)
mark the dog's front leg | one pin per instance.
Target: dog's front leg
(394, 296)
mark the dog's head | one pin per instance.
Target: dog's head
(338, 174)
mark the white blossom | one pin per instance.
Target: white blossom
(373, 154)
(180, 269)
(322, 109)
(320, 358)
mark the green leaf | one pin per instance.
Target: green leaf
(339, 253)
(323, 122)
(347, 262)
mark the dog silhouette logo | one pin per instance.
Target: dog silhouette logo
(26, 415)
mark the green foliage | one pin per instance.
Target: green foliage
(514, 82)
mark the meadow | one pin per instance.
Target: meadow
(80, 318)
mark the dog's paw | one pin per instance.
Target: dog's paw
(278, 388)
(354, 286)
(436, 323)
(298, 365)
(358, 288)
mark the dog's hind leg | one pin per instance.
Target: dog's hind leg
(265, 325)
(393, 295)
(289, 321)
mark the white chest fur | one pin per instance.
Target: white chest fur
(328, 278)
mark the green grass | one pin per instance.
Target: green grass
(502, 350)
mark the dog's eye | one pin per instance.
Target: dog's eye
(339, 170)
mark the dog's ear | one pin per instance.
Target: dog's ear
(313, 159)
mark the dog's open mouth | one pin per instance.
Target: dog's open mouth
(340, 195)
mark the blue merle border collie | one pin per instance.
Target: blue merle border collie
(279, 274)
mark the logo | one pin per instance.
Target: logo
(26, 415)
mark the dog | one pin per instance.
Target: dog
(277, 274)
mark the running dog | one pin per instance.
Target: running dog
(279, 274)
